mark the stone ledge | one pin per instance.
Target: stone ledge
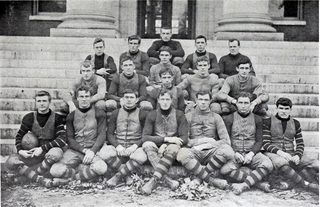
(250, 36)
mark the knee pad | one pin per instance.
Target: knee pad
(172, 149)
(111, 105)
(226, 151)
(57, 170)
(183, 155)
(139, 156)
(146, 105)
(100, 105)
(107, 152)
(99, 167)
(149, 146)
(215, 107)
(54, 155)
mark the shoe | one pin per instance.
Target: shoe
(313, 187)
(20, 180)
(149, 186)
(284, 185)
(112, 182)
(196, 181)
(129, 180)
(173, 184)
(238, 188)
(264, 186)
(219, 183)
(46, 182)
(60, 181)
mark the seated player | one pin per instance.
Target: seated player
(166, 77)
(125, 136)
(245, 130)
(39, 141)
(208, 144)
(165, 131)
(140, 59)
(86, 133)
(243, 82)
(154, 78)
(281, 133)
(128, 79)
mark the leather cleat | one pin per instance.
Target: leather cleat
(264, 186)
(313, 187)
(238, 188)
(173, 184)
(129, 180)
(149, 186)
(60, 181)
(112, 182)
(219, 183)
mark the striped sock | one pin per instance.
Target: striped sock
(28, 172)
(237, 175)
(70, 173)
(163, 166)
(215, 163)
(85, 175)
(129, 167)
(194, 166)
(291, 174)
(44, 167)
(114, 163)
(256, 176)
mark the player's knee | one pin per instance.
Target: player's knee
(139, 156)
(149, 146)
(57, 170)
(111, 105)
(183, 155)
(146, 105)
(54, 155)
(99, 167)
(107, 152)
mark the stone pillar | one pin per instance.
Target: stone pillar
(246, 20)
(87, 18)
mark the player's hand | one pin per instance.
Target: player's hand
(161, 150)
(296, 159)
(238, 157)
(25, 153)
(174, 140)
(89, 154)
(121, 150)
(36, 152)
(103, 71)
(72, 107)
(248, 158)
(131, 149)
(121, 102)
(234, 101)
(285, 155)
(252, 105)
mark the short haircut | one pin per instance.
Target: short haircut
(43, 93)
(165, 70)
(163, 91)
(86, 64)
(203, 58)
(200, 37)
(203, 92)
(246, 95)
(125, 58)
(134, 37)
(165, 48)
(84, 88)
(232, 40)
(284, 102)
(244, 60)
(129, 90)
(166, 27)
(97, 40)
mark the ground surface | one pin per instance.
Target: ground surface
(96, 194)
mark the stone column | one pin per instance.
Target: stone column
(246, 20)
(87, 18)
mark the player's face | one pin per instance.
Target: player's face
(165, 101)
(87, 73)
(129, 100)
(243, 105)
(165, 35)
(98, 48)
(128, 67)
(133, 45)
(284, 111)
(42, 104)
(244, 70)
(165, 57)
(201, 44)
(84, 99)
(203, 102)
(234, 48)
(166, 80)
(203, 68)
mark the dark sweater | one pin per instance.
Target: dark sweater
(26, 125)
(177, 50)
(188, 63)
(228, 64)
(99, 63)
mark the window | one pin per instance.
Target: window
(49, 6)
(292, 9)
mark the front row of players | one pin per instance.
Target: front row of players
(208, 146)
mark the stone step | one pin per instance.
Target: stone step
(286, 69)
(291, 88)
(300, 111)
(297, 99)
(288, 78)
(52, 83)
(28, 93)
(39, 73)
(12, 117)
(116, 41)
(23, 104)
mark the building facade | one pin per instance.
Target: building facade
(289, 20)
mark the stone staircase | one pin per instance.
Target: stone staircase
(29, 64)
